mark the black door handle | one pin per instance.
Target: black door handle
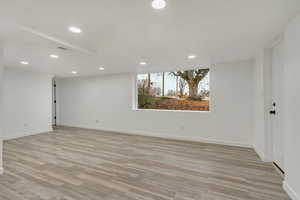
(273, 112)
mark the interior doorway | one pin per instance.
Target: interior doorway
(276, 110)
(54, 103)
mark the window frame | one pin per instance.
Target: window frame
(135, 96)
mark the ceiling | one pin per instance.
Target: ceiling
(118, 34)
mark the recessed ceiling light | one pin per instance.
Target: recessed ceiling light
(101, 68)
(192, 56)
(24, 62)
(143, 63)
(54, 56)
(159, 4)
(74, 29)
(74, 72)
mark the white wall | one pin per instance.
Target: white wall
(108, 99)
(1, 108)
(292, 108)
(27, 103)
(259, 125)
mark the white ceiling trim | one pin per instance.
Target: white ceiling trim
(56, 40)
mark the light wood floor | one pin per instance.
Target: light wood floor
(81, 164)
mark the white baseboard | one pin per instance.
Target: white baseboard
(10, 136)
(165, 136)
(290, 191)
(260, 153)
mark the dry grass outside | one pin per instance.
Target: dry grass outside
(166, 103)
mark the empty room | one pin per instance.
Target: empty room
(149, 100)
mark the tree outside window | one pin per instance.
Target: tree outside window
(179, 90)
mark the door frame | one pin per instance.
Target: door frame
(269, 157)
(54, 102)
(279, 108)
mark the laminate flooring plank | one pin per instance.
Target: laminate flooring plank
(81, 164)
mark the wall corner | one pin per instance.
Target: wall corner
(290, 191)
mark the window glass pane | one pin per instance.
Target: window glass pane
(204, 87)
(180, 90)
(171, 86)
(142, 84)
(156, 84)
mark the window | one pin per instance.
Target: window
(178, 90)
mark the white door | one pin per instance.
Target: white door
(276, 110)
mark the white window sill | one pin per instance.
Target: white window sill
(178, 111)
